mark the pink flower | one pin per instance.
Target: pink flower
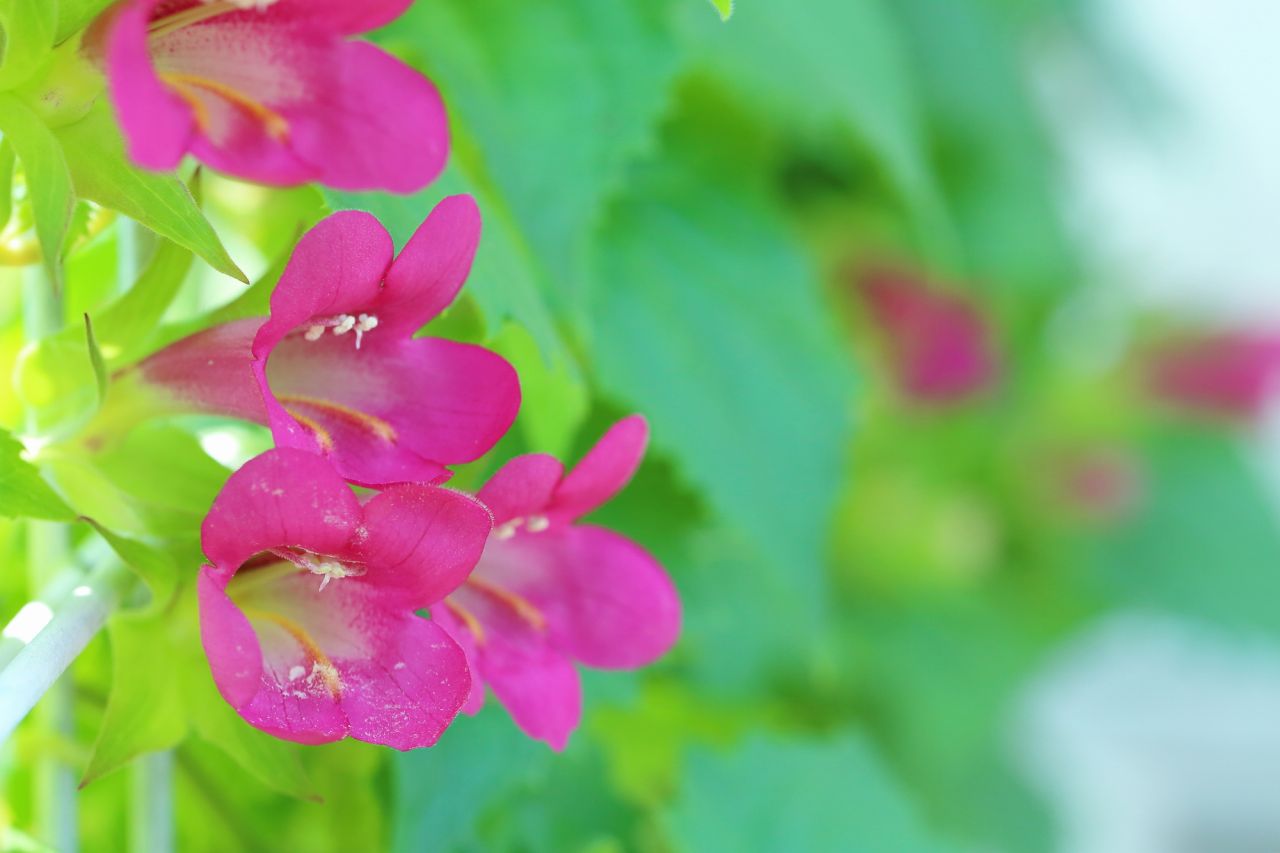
(307, 613)
(548, 591)
(1232, 374)
(939, 344)
(335, 369)
(271, 91)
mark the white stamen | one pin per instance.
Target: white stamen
(364, 323)
(538, 523)
(297, 672)
(314, 333)
(345, 324)
(331, 570)
(507, 529)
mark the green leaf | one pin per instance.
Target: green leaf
(842, 63)
(23, 494)
(126, 327)
(48, 179)
(708, 320)
(441, 792)
(28, 27)
(155, 567)
(1207, 544)
(7, 162)
(95, 359)
(75, 15)
(102, 173)
(776, 794)
(145, 709)
(554, 398)
(724, 7)
(541, 168)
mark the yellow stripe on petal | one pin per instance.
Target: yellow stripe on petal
(188, 87)
(370, 423)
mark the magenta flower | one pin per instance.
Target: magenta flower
(271, 91)
(548, 592)
(939, 344)
(335, 369)
(307, 613)
(1231, 374)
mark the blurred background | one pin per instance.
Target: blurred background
(957, 325)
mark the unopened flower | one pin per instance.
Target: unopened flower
(1229, 374)
(308, 609)
(549, 592)
(939, 344)
(271, 91)
(336, 370)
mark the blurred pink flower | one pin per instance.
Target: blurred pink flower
(307, 613)
(336, 370)
(271, 91)
(548, 592)
(938, 343)
(1231, 374)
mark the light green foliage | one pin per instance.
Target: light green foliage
(102, 173)
(776, 794)
(724, 7)
(73, 15)
(48, 178)
(96, 360)
(28, 29)
(23, 494)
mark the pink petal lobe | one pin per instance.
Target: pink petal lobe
(380, 125)
(232, 648)
(432, 267)
(606, 601)
(538, 687)
(340, 16)
(451, 625)
(408, 693)
(424, 541)
(605, 469)
(336, 268)
(522, 487)
(394, 405)
(281, 498)
(157, 124)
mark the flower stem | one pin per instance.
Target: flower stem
(151, 804)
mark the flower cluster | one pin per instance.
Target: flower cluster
(379, 614)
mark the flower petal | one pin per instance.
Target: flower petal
(157, 124)
(532, 678)
(423, 541)
(281, 498)
(522, 487)
(432, 266)
(394, 401)
(411, 690)
(340, 16)
(451, 625)
(313, 664)
(604, 470)
(605, 600)
(380, 125)
(336, 268)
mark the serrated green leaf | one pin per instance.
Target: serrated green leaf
(145, 708)
(724, 327)
(842, 63)
(96, 360)
(554, 397)
(102, 173)
(23, 494)
(848, 800)
(49, 185)
(29, 27)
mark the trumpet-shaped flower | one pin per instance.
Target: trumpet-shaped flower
(307, 611)
(335, 369)
(271, 90)
(548, 591)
